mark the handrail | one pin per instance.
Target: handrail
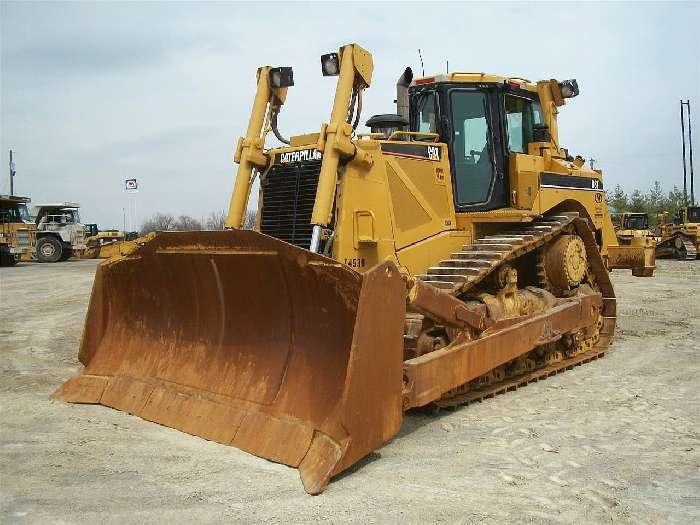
(370, 135)
(527, 81)
(420, 134)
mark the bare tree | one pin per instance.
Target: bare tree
(249, 221)
(158, 222)
(216, 220)
(186, 223)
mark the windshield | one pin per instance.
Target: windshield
(23, 212)
(694, 214)
(72, 214)
(637, 222)
(14, 212)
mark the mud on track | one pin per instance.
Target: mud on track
(616, 440)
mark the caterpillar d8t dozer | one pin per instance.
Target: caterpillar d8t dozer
(455, 252)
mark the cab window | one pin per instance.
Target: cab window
(521, 115)
(426, 113)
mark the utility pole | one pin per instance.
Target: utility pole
(685, 184)
(690, 146)
(685, 105)
(12, 175)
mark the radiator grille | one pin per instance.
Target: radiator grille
(289, 193)
(23, 238)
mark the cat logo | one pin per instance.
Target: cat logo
(434, 153)
(595, 184)
(300, 156)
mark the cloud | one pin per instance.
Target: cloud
(94, 92)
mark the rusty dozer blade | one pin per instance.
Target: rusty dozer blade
(242, 339)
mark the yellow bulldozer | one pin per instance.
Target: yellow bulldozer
(101, 244)
(454, 252)
(632, 229)
(680, 239)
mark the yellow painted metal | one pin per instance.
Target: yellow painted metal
(389, 207)
(335, 137)
(17, 239)
(249, 151)
(684, 227)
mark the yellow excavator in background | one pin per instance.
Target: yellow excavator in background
(455, 252)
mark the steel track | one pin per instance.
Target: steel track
(520, 240)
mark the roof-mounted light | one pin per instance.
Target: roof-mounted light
(281, 77)
(569, 88)
(330, 65)
(426, 80)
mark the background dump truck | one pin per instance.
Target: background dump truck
(60, 233)
(17, 231)
(455, 252)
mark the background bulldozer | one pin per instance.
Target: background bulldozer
(455, 252)
(101, 244)
(680, 239)
(632, 229)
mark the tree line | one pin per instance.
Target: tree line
(169, 222)
(653, 202)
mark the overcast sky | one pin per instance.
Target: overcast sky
(94, 93)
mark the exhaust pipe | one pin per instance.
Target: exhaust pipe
(402, 92)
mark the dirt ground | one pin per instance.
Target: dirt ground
(616, 440)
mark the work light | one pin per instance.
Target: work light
(330, 65)
(569, 88)
(281, 77)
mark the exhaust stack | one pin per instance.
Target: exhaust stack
(402, 92)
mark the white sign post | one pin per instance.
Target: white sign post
(131, 186)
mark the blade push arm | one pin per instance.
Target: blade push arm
(249, 151)
(335, 138)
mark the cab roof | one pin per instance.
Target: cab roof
(476, 78)
(58, 205)
(15, 198)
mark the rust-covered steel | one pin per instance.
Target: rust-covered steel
(433, 374)
(248, 341)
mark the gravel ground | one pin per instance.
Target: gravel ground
(616, 440)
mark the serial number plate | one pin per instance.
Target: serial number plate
(355, 262)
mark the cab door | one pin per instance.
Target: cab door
(476, 150)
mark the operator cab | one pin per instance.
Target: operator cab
(694, 214)
(636, 222)
(482, 124)
(14, 210)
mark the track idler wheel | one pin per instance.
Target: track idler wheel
(566, 262)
